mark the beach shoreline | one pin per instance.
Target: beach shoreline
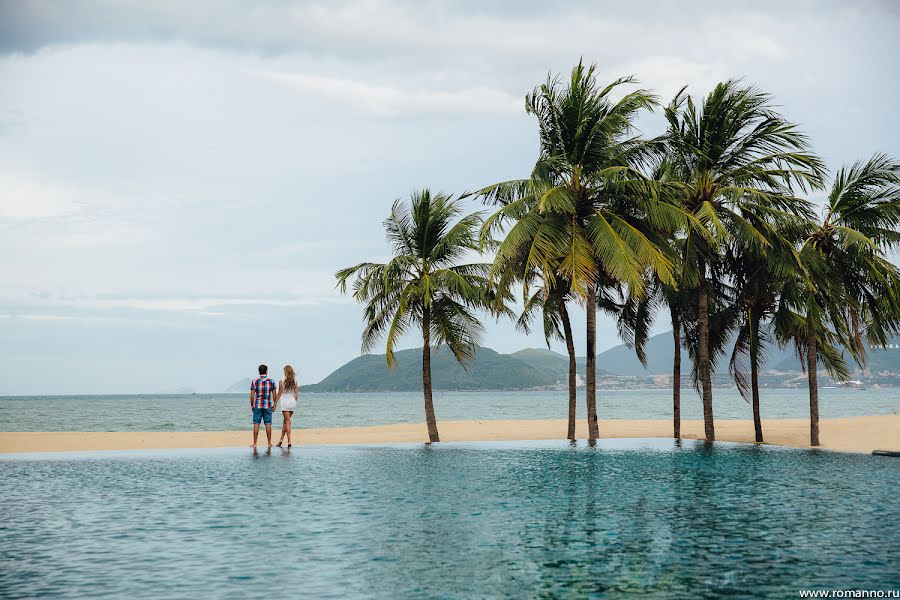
(847, 434)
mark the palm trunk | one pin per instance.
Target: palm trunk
(591, 367)
(754, 380)
(703, 354)
(811, 361)
(430, 419)
(570, 348)
(676, 377)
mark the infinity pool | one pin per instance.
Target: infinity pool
(628, 517)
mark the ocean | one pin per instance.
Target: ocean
(224, 412)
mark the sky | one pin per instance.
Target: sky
(179, 181)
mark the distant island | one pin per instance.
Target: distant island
(539, 368)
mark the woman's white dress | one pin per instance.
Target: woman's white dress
(288, 398)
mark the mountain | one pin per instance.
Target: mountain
(660, 348)
(547, 362)
(489, 370)
(557, 365)
(885, 359)
(660, 351)
(541, 368)
(879, 360)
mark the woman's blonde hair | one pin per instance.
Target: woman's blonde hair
(290, 379)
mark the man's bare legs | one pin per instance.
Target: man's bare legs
(268, 433)
(256, 434)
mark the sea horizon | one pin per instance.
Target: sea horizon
(230, 411)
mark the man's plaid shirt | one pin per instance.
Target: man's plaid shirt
(264, 392)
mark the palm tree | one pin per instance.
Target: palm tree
(850, 292)
(548, 293)
(635, 321)
(636, 318)
(583, 214)
(538, 293)
(424, 285)
(758, 279)
(734, 157)
(557, 325)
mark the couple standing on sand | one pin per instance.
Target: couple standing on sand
(264, 397)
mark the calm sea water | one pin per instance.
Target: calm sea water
(216, 412)
(624, 519)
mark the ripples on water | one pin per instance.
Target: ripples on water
(218, 412)
(459, 520)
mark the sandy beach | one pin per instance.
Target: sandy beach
(850, 434)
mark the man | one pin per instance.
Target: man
(262, 400)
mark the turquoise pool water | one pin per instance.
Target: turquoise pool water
(218, 412)
(628, 518)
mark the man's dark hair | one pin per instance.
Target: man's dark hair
(263, 369)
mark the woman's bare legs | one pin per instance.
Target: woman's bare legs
(287, 424)
(283, 430)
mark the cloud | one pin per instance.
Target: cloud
(26, 197)
(667, 74)
(198, 305)
(205, 165)
(75, 318)
(384, 100)
(48, 302)
(373, 29)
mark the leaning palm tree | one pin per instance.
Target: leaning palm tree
(557, 325)
(635, 321)
(850, 292)
(755, 301)
(424, 285)
(583, 214)
(734, 158)
(758, 279)
(549, 294)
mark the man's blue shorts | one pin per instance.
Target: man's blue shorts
(262, 414)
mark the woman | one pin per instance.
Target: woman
(287, 398)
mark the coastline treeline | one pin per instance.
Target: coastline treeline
(710, 222)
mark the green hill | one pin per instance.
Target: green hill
(556, 365)
(541, 368)
(488, 370)
(622, 360)
(551, 364)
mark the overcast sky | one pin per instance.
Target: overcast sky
(180, 180)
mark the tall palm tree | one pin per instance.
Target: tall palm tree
(758, 279)
(733, 157)
(583, 213)
(850, 292)
(638, 313)
(424, 285)
(547, 293)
